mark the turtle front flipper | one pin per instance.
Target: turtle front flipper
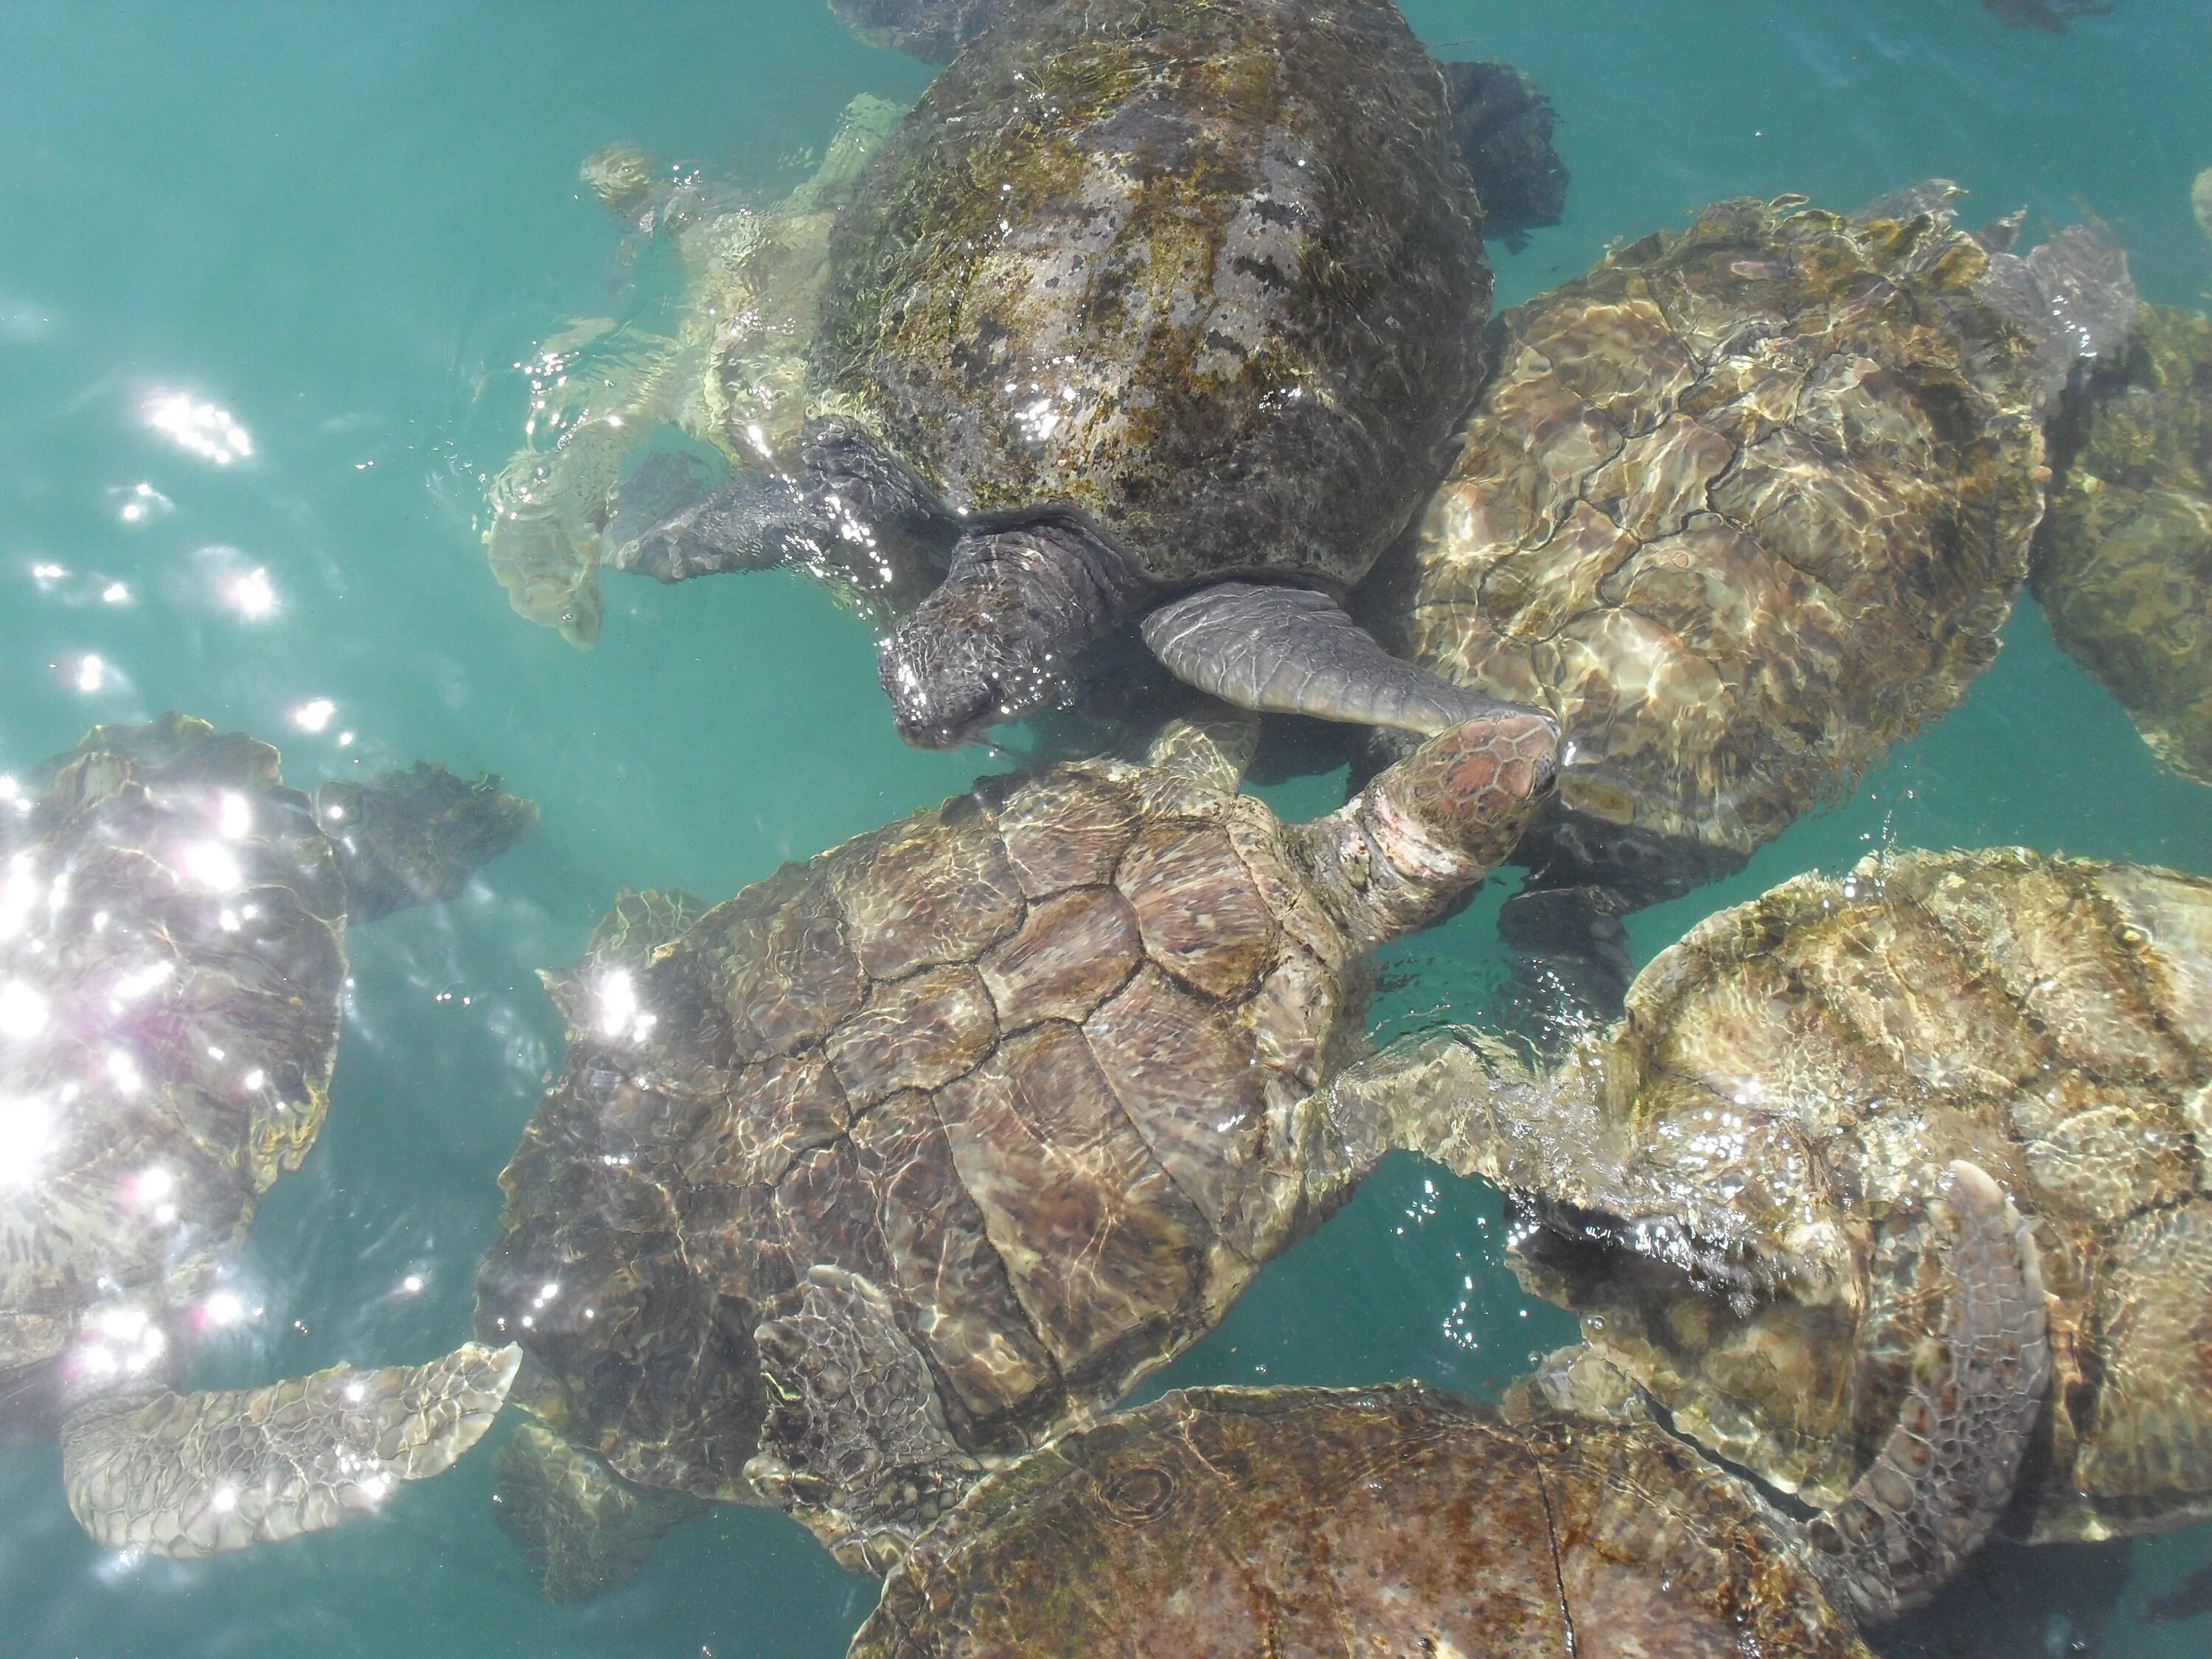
(585, 1529)
(855, 1444)
(1292, 651)
(413, 837)
(197, 1474)
(1932, 1494)
(1417, 840)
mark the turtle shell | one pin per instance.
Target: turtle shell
(1031, 1064)
(172, 956)
(1742, 508)
(2124, 561)
(1396, 1520)
(1206, 273)
(1805, 1065)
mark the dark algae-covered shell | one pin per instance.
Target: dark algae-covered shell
(172, 923)
(1209, 274)
(910, 1154)
(1733, 1176)
(1742, 508)
(2124, 561)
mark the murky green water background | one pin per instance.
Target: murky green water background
(345, 224)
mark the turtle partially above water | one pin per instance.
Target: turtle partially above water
(910, 1156)
(173, 960)
(1146, 299)
(1729, 1177)
(1401, 1520)
(1742, 508)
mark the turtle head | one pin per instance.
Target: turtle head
(931, 30)
(412, 837)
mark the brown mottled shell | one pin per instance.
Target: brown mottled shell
(1207, 273)
(2123, 563)
(1392, 1521)
(1742, 508)
(1809, 1061)
(1032, 1063)
(172, 928)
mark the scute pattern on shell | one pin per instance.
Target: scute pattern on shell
(2124, 561)
(1207, 271)
(962, 1058)
(1396, 1520)
(173, 917)
(1742, 507)
(1803, 1063)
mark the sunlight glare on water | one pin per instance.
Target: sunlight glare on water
(281, 287)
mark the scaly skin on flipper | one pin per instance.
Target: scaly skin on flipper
(2123, 559)
(906, 1158)
(1742, 508)
(1733, 1175)
(172, 922)
(200, 1473)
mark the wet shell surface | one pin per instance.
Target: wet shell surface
(1742, 508)
(1207, 273)
(1795, 1068)
(2124, 561)
(1391, 1520)
(172, 955)
(1030, 1065)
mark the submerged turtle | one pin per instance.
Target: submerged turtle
(1727, 1177)
(908, 1157)
(1403, 1520)
(1742, 508)
(1146, 299)
(2124, 560)
(172, 962)
(731, 377)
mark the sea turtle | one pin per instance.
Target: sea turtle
(1727, 1177)
(1742, 508)
(910, 1155)
(731, 377)
(2050, 16)
(173, 961)
(2123, 564)
(1402, 1521)
(1158, 308)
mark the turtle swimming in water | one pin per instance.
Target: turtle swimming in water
(1726, 1180)
(908, 1157)
(1742, 508)
(172, 921)
(730, 376)
(1152, 308)
(2123, 564)
(1404, 1521)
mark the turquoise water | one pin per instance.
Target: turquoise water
(343, 226)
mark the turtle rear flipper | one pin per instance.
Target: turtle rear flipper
(1292, 651)
(1932, 1494)
(855, 1444)
(585, 1528)
(197, 1474)
(413, 837)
